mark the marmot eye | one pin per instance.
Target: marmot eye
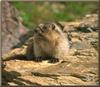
(53, 26)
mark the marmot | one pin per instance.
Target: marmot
(48, 42)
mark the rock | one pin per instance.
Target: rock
(80, 45)
(12, 27)
(70, 80)
(63, 73)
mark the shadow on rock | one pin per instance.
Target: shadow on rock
(13, 78)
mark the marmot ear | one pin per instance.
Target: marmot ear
(60, 25)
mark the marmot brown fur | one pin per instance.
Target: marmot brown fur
(48, 42)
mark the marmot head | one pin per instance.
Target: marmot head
(49, 31)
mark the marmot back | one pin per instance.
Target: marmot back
(48, 42)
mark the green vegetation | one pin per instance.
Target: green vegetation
(34, 13)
